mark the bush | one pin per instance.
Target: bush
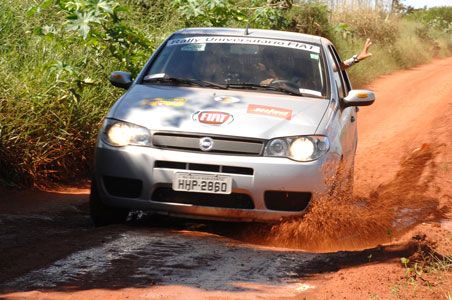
(224, 13)
(54, 92)
(217, 13)
(310, 18)
(408, 50)
(369, 24)
(439, 18)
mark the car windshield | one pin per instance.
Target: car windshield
(241, 63)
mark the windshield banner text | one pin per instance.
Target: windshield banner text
(244, 40)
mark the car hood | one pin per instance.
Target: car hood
(220, 112)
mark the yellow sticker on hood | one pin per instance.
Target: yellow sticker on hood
(170, 102)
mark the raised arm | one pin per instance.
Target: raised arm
(358, 57)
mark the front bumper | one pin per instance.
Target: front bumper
(269, 174)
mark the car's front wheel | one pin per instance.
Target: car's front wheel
(102, 214)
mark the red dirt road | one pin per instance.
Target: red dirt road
(49, 250)
(411, 117)
(413, 107)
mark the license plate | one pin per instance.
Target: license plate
(202, 183)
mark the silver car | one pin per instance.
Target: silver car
(228, 124)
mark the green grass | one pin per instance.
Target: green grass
(54, 94)
(408, 49)
(54, 90)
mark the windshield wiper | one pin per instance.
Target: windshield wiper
(286, 90)
(189, 81)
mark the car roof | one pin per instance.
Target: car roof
(261, 33)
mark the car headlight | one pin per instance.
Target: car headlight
(302, 148)
(117, 133)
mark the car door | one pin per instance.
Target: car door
(346, 116)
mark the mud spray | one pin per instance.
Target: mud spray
(335, 223)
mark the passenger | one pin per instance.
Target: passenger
(358, 57)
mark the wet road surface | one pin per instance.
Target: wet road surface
(64, 252)
(59, 251)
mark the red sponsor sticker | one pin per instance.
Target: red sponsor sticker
(213, 117)
(272, 111)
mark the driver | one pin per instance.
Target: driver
(271, 67)
(278, 67)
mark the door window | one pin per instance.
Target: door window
(337, 72)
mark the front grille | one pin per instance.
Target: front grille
(123, 187)
(287, 201)
(234, 200)
(169, 164)
(222, 145)
(203, 167)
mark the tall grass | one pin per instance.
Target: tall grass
(53, 84)
(54, 93)
(398, 43)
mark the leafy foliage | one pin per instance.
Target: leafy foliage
(436, 17)
(344, 31)
(268, 17)
(310, 18)
(54, 90)
(217, 13)
(223, 13)
(379, 27)
(99, 24)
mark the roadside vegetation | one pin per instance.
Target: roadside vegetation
(56, 55)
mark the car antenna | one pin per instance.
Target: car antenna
(247, 29)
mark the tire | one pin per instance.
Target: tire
(102, 214)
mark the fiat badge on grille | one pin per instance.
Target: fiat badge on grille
(206, 144)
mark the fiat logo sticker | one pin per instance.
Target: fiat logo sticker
(206, 143)
(215, 118)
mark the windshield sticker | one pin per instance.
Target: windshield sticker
(314, 56)
(226, 99)
(243, 40)
(157, 75)
(170, 102)
(310, 92)
(213, 117)
(194, 47)
(271, 111)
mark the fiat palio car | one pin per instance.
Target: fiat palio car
(228, 124)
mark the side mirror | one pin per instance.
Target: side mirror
(121, 79)
(359, 98)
